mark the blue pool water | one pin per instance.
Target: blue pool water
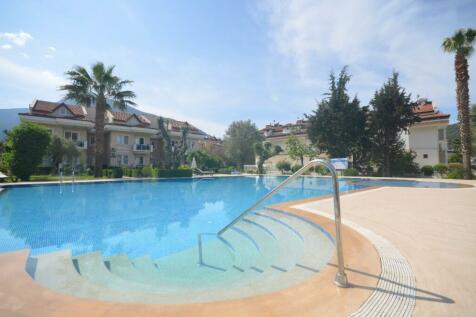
(154, 218)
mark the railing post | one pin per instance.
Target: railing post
(341, 278)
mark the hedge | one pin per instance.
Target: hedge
(147, 171)
(181, 172)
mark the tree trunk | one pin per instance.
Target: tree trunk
(99, 145)
(462, 99)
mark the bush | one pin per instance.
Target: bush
(321, 170)
(44, 170)
(117, 172)
(146, 171)
(25, 147)
(205, 160)
(441, 169)
(455, 158)
(295, 168)
(403, 164)
(283, 166)
(427, 170)
(226, 170)
(455, 171)
(180, 172)
(107, 172)
(350, 172)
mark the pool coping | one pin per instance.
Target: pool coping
(462, 183)
(395, 293)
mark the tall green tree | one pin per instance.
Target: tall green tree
(338, 125)
(461, 44)
(298, 150)
(391, 115)
(174, 152)
(102, 88)
(239, 140)
(26, 145)
(263, 151)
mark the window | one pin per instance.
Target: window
(122, 139)
(141, 141)
(122, 159)
(141, 160)
(441, 134)
(425, 156)
(62, 111)
(73, 136)
(92, 140)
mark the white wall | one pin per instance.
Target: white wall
(424, 141)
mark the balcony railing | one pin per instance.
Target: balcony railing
(81, 144)
(143, 147)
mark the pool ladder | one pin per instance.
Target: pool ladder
(341, 278)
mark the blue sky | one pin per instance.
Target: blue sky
(212, 62)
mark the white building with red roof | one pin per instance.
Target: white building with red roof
(427, 138)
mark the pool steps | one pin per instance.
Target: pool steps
(265, 251)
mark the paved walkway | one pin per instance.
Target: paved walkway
(434, 229)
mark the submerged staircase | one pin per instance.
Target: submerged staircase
(264, 251)
(260, 251)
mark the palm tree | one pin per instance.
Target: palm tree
(102, 88)
(461, 43)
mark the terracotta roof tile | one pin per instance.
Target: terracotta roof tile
(428, 112)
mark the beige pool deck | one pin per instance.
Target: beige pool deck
(433, 229)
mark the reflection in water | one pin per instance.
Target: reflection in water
(156, 218)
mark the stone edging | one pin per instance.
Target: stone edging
(395, 294)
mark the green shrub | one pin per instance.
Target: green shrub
(455, 171)
(107, 172)
(155, 172)
(180, 172)
(25, 147)
(441, 169)
(283, 166)
(226, 170)
(427, 170)
(296, 168)
(146, 171)
(350, 172)
(44, 170)
(455, 158)
(117, 172)
(321, 170)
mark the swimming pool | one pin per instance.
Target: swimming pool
(145, 233)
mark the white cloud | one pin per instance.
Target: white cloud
(48, 56)
(25, 55)
(19, 39)
(6, 47)
(28, 76)
(373, 38)
(51, 49)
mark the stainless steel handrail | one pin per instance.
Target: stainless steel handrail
(341, 278)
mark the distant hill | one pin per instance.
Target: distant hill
(9, 118)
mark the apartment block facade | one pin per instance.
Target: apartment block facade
(130, 139)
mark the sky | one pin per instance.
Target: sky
(213, 62)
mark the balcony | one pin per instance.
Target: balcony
(81, 144)
(142, 148)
